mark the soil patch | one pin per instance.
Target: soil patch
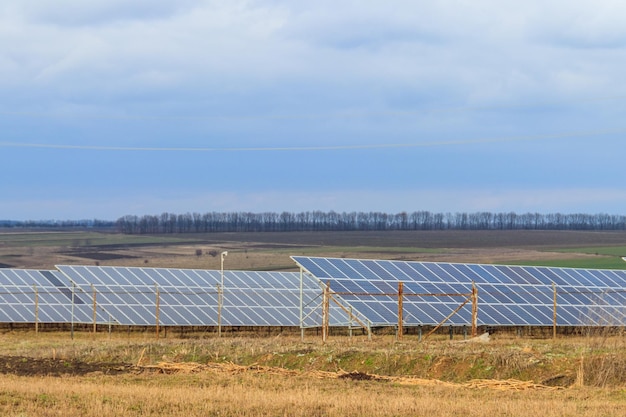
(100, 256)
(24, 366)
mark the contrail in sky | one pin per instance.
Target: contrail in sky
(314, 148)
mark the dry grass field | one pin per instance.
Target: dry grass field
(136, 375)
(197, 374)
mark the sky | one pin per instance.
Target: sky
(111, 108)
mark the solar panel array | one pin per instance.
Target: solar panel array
(368, 289)
(29, 296)
(508, 295)
(189, 297)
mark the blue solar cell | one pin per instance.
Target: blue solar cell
(576, 275)
(592, 279)
(379, 270)
(570, 295)
(490, 315)
(239, 298)
(498, 274)
(394, 271)
(168, 315)
(358, 267)
(440, 271)
(366, 308)
(386, 313)
(346, 286)
(22, 298)
(486, 297)
(524, 276)
(339, 286)
(595, 315)
(239, 281)
(10, 299)
(312, 267)
(328, 268)
(482, 275)
(611, 278)
(523, 315)
(414, 288)
(566, 315)
(551, 276)
(544, 313)
(469, 273)
(447, 272)
(23, 313)
(618, 295)
(383, 287)
(425, 313)
(172, 277)
(82, 276)
(497, 292)
(116, 277)
(206, 315)
(425, 274)
(184, 276)
(407, 273)
(512, 276)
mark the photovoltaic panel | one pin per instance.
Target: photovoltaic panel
(189, 297)
(507, 295)
(29, 296)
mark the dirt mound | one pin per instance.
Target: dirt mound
(357, 376)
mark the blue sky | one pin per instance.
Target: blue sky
(111, 107)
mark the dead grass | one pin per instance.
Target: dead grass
(281, 376)
(208, 394)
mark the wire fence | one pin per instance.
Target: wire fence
(309, 308)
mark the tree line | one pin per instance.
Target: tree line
(59, 224)
(354, 221)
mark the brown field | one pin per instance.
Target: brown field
(197, 374)
(136, 375)
(271, 251)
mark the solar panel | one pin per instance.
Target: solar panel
(507, 295)
(189, 297)
(29, 296)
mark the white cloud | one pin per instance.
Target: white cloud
(464, 52)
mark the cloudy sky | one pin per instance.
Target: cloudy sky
(111, 107)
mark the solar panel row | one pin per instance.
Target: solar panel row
(367, 289)
(508, 295)
(129, 296)
(29, 296)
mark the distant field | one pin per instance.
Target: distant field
(607, 257)
(588, 263)
(79, 239)
(618, 251)
(272, 251)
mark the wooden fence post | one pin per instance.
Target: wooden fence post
(474, 310)
(158, 302)
(400, 310)
(325, 311)
(554, 316)
(95, 306)
(36, 309)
